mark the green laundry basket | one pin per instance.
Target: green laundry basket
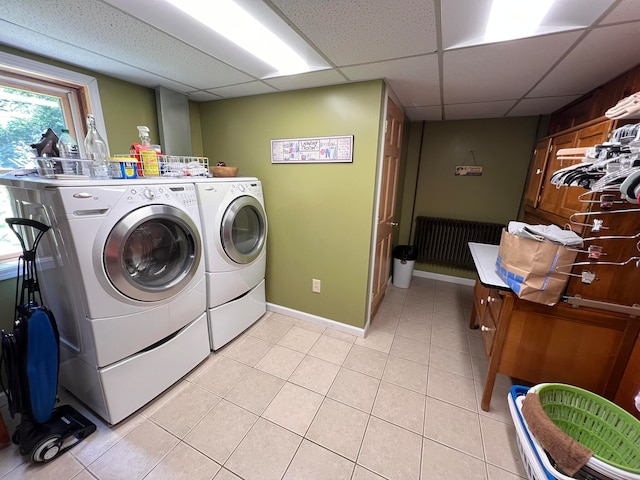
(612, 433)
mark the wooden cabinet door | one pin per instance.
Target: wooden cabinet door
(551, 197)
(580, 346)
(587, 137)
(630, 383)
(541, 154)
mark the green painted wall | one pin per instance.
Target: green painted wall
(503, 146)
(320, 215)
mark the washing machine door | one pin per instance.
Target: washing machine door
(243, 230)
(152, 253)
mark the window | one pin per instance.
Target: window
(33, 97)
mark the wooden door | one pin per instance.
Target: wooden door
(387, 203)
(551, 197)
(541, 154)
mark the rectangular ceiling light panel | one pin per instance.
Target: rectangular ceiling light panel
(466, 23)
(231, 21)
(510, 19)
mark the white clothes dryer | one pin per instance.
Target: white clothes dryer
(234, 233)
(122, 269)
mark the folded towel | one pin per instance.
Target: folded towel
(567, 453)
(626, 107)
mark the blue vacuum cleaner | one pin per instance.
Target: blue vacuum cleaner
(31, 359)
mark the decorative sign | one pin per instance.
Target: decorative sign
(469, 170)
(313, 150)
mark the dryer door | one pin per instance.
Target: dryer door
(243, 231)
(152, 253)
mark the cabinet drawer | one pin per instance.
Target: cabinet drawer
(480, 295)
(488, 329)
(494, 301)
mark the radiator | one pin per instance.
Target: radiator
(444, 240)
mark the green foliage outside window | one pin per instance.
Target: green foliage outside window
(24, 117)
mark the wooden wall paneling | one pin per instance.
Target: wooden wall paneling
(615, 284)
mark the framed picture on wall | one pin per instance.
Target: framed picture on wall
(337, 149)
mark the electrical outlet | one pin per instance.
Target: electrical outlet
(315, 285)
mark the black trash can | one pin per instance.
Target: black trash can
(404, 259)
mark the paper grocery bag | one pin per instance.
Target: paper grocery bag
(529, 267)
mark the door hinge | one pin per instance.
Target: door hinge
(386, 122)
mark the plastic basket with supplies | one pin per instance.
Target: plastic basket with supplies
(594, 422)
(169, 166)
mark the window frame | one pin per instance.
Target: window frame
(87, 99)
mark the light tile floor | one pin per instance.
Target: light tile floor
(294, 400)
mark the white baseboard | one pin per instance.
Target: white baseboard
(290, 312)
(444, 278)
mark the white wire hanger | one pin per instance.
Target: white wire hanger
(606, 200)
(598, 224)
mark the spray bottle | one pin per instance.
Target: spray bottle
(146, 154)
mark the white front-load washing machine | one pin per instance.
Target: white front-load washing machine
(234, 226)
(122, 269)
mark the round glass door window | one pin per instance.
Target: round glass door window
(244, 230)
(152, 253)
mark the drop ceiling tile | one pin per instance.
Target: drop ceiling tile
(102, 29)
(38, 43)
(498, 71)
(307, 80)
(243, 89)
(477, 110)
(361, 32)
(415, 80)
(418, 114)
(540, 106)
(625, 11)
(604, 53)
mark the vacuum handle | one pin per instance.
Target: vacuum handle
(27, 222)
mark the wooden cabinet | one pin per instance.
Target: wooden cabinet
(546, 203)
(630, 383)
(594, 346)
(586, 347)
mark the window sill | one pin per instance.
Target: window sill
(8, 269)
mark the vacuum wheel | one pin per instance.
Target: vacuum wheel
(46, 449)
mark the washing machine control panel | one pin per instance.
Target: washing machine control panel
(183, 194)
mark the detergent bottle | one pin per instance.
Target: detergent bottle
(146, 154)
